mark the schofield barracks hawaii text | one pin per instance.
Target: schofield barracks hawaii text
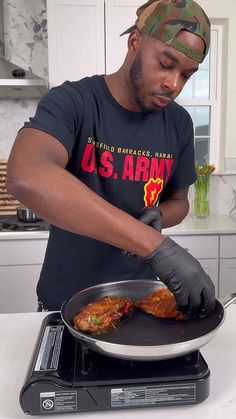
(129, 164)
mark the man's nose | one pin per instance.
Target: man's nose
(172, 82)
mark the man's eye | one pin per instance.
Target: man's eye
(164, 65)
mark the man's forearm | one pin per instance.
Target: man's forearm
(62, 200)
(173, 211)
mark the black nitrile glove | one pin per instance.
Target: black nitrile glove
(183, 275)
(151, 216)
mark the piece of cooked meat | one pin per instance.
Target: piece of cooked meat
(102, 315)
(161, 303)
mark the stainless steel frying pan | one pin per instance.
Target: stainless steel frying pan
(143, 336)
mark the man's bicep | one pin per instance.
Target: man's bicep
(33, 146)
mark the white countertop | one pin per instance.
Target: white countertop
(18, 337)
(24, 235)
(215, 224)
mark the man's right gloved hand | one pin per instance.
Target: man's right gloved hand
(183, 275)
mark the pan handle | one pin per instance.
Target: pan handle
(228, 299)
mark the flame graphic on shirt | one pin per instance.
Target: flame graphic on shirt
(152, 190)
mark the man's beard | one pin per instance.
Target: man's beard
(135, 76)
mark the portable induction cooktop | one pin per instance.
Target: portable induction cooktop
(65, 376)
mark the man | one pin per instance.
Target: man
(101, 149)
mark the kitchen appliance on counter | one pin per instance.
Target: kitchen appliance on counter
(12, 223)
(27, 215)
(66, 376)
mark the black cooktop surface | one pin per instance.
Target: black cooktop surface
(12, 223)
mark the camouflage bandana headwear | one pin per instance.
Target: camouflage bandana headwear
(164, 19)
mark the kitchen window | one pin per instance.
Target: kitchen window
(201, 97)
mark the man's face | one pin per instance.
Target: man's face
(159, 72)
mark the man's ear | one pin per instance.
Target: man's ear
(134, 42)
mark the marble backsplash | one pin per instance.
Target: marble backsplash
(13, 114)
(222, 195)
(25, 44)
(25, 34)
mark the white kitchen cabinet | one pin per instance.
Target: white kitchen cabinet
(20, 265)
(227, 277)
(18, 288)
(210, 266)
(227, 270)
(22, 251)
(200, 246)
(75, 39)
(120, 15)
(84, 37)
(228, 246)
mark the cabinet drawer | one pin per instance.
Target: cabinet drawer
(210, 266)
(18, 288)
(227, 283)
(228, 246)
(22, 252)
(201, 247)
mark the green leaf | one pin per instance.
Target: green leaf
(95, 320)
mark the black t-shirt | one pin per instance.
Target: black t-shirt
(127, 158)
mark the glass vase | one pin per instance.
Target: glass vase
(201, 206)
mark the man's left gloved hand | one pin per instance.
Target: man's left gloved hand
(151, 216)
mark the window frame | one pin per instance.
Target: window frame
(214, 101)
